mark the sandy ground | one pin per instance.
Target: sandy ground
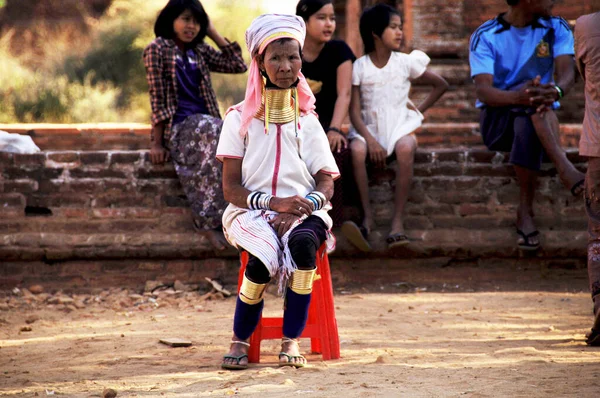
(517, 343)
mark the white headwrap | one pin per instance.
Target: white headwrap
(264, 30)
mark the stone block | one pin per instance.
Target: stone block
(36, 160)
(61, 157)
(93, 158)
(129, 158)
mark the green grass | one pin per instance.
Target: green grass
(104, 80)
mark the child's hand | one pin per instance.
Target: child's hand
(376, 153)
(158, 154)
(337, 141)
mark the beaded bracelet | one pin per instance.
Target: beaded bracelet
(318, 199)
(259, 201)
(334, 129)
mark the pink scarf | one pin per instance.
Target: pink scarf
(264, 30)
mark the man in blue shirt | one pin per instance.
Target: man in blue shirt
(513, 60)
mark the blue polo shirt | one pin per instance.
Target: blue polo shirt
(516, 55)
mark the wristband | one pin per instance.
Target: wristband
(560, 91)
(259, 201)
(318, 199)
(334, 129)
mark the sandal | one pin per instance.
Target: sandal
(289, 357)
(526, 245)
(236, 365)
(356, 235)
(395, 240)
(578, 188)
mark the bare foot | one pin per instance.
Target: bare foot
(397, 227)
(290, 353)
(526, 225)
(237, 357)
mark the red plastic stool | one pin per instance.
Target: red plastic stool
(321, 326)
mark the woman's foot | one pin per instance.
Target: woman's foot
(237, 357)
(356, 235)
(574, 181)
(397, 236)
(529, 237)
(290, 353)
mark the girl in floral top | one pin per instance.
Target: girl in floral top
(186, 123)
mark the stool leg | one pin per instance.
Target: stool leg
(255, 339)
(329, 307)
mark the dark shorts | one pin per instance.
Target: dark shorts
(510, 129)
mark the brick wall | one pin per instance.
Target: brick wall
(100, 138)
(113, 212)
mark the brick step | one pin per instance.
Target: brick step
(69, 204)
(453, 242)
(136, 137)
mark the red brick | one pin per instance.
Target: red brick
(6, 159)
(12, 200)
(101, 173)
(93, 158)
(20, 186)
(33, 159)
(156, 172)
(63, 157)
(84, 186)
(125, 157)
(469, 209)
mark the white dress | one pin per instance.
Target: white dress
(386, 109)
(282, 164)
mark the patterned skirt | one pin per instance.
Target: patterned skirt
(193, 148)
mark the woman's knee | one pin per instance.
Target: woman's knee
(305, 240)
(256, 271)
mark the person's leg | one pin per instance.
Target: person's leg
(548, 131)
(405, 149)
(592, 207)
(526, 179)
(248, 308)
(359, 152)
(193, 149)
(304, 242)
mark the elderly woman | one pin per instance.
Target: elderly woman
(278, 174)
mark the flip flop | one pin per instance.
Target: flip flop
(526, 245)
(289, 360)
(234, 366)
(356, 235)
(395, 240)
(578, 188)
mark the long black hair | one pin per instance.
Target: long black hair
(373, 21)
(306, 8)
(174, 8)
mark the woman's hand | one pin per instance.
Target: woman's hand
(337, 141)
(283, 222)
(296, 205)
(158, 153)
(376, 152)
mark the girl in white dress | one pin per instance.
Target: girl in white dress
(384, 119)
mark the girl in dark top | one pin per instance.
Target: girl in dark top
(186, 123)
(327, 66)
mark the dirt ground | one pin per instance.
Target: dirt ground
(511, 339)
